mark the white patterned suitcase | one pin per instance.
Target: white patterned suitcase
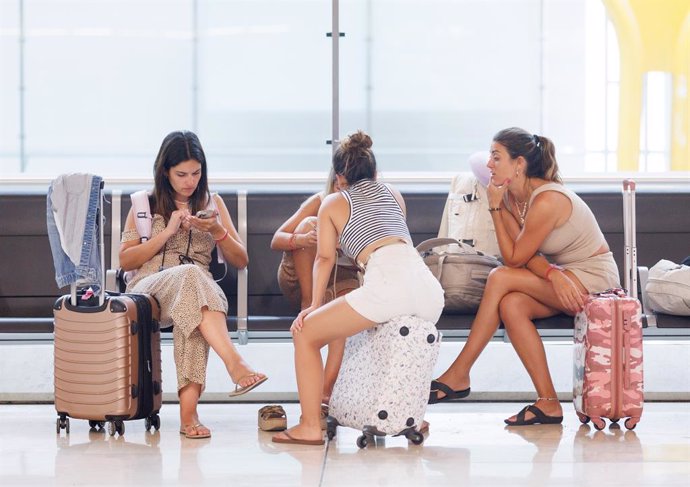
(383, 383)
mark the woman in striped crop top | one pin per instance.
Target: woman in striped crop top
(554, 253)
(367, 218)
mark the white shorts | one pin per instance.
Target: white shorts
(397, 282)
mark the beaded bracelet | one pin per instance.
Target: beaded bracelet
(551, 268)
(225, 235)
(498, 208)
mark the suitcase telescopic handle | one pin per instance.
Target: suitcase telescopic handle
(629, 237)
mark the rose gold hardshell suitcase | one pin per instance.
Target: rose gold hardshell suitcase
(107, 358)
(608, 373)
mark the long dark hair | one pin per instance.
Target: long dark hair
(538, 151)
(354, 158)
(178, 147)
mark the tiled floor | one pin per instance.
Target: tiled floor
(468, 446)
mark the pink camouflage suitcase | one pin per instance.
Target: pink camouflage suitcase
(608, 378)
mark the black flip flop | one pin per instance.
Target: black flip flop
(539, 417)
(450, 394)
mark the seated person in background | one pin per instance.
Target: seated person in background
(367, 219)
(554, 254)
(297, 239)
(173, 266)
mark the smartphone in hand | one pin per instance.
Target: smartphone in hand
(205, 214)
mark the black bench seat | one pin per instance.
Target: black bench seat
(28, 289)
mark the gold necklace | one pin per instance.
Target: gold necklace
(181, 202)
(521, 213)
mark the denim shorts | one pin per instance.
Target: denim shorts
(397, 282)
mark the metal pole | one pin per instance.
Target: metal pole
(335, 107)
(22, 91)
(369, 46)
(195, 65)
(542, 75)
(606, 98)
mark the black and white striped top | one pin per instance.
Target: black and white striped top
(374, 214)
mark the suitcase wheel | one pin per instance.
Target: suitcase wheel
(331, 427)
(615, 420)
(99, 425)
(583, 419)
(415, 437)
(598, 423)
(117, 426)
(62, 423)
(630, 423)
(153, 421)
(362, 441)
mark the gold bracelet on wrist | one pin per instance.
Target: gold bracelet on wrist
(498, 208)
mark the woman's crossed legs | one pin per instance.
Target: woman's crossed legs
(515, 296)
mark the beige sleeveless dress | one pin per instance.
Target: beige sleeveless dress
(182, 290)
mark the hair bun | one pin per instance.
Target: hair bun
(358, 141)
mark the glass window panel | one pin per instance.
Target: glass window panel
(443, 77)
(9, 88)
(595, 162)
(106, 80)
(611, 161)
(431, 80)
(657, 162)
(612, 53)
(595, 76)
(658, 111)
(265, 84)
(565, 81)
(612, 105)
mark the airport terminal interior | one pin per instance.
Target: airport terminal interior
(272, 87)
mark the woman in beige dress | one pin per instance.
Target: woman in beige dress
(173, 266)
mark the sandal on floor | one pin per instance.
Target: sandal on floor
(195, 428)
(450, 394)
(539, 417)
(239, 390)
(296, 441)
(272, 418)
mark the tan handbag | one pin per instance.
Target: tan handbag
(461, 270)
